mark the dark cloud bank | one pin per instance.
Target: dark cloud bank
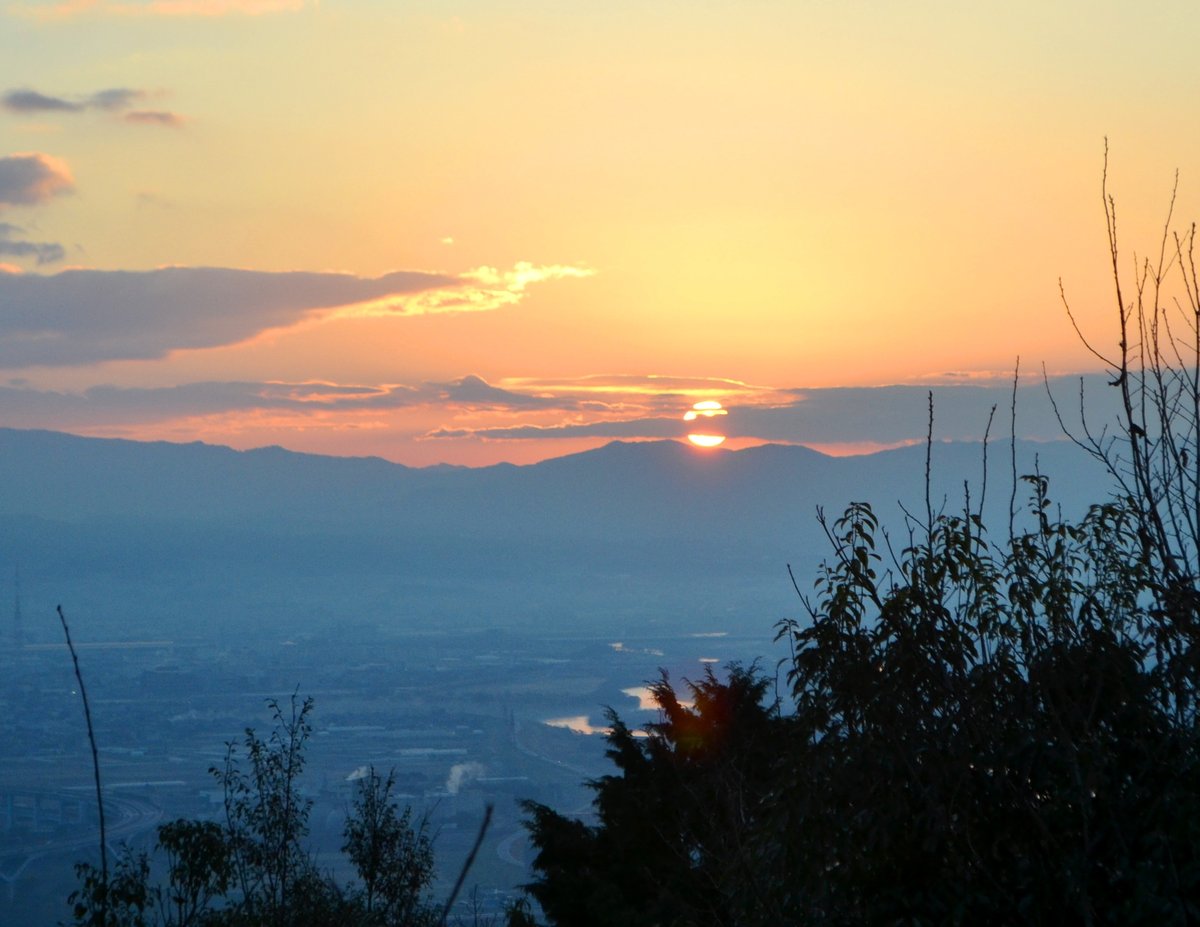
(85, 316)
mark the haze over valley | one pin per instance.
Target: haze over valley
(462, 625)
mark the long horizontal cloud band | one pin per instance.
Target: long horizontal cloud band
(110, 405)
(882, 415)
(85, 316)
(629, 408)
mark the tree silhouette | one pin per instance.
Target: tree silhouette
(252, 868)
(981, 728)
(668, 844)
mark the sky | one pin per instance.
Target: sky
(470, 232)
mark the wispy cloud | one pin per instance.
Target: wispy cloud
(13, 244)
(635, 428)
(154, 117)
(118, 101)
(480, 290)
(30, 101)
(627, 388)
(115, 98)
(25, 100)
(27, 179)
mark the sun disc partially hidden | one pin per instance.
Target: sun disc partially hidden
(709, 408)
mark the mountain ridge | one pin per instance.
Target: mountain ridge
(625, 527)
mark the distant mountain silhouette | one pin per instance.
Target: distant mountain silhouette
(503, 540)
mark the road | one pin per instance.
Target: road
(125, 817)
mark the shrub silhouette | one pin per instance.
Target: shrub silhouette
(252, 868)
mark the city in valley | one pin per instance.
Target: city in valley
(465, 717)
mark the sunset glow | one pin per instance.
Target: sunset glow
(763, 206)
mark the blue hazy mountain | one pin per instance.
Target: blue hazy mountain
(165, 536)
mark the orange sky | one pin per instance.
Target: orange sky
(608, 212)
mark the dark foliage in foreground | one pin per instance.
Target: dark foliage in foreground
(974, 736)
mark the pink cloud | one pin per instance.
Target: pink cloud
(30, 178)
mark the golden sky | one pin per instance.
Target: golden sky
(477, 231)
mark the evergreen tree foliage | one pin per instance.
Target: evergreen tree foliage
(666, 849)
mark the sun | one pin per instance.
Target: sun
(709, 409)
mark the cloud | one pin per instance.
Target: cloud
(153, 117)
(523, 274)
(43, 252)
(650, 390)
(889, 415)
(71, 9)
(472, 410)
(474, 391)
(115, 100)
(616, 428)
(30, 178)
(85, 316)
(111, 406)
(25, 100)
(483, 289)
(609, 406)
(30, 101)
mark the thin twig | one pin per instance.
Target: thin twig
(87, 716)
(928, 472)
(987, 433)
(462, 876)
(1012, 498)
